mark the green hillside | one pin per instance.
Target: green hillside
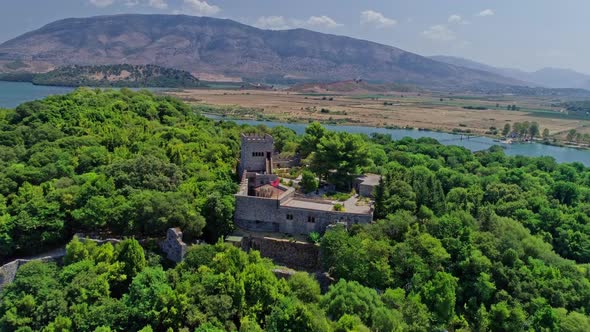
(130, 76)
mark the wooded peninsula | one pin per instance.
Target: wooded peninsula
(461, 241)
(118, 75)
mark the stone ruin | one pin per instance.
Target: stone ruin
(173, 246)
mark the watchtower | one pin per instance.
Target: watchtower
(256, 155)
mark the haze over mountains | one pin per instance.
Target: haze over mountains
(546, 77)
(210, 47)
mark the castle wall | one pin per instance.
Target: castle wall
(256, 213)
(298, 255)
(300, 224)
(8, 271)
(267, 215)
(258, 180)
(271, 215)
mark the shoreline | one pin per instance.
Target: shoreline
(225, 117)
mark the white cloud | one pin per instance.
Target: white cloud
(455, 18)
(158, 4)
(440, 32)
(102, 3)
(322, 22)
(283, 23)
(272, 23)
(486, 12)
(377, 19)
(199, 8)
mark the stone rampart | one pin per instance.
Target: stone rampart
(8, 271)
(293, 254)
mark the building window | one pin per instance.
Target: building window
(311, 219)
(257, 154)
(289, 216)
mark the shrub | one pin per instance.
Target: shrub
(339, 207)
(314, 237)
(309, 182)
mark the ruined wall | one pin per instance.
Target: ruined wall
(173, 246)
(296, 255)
(8, 271)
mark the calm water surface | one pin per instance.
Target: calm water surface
(12, 94)
(560, 154)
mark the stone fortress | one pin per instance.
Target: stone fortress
(263, 204)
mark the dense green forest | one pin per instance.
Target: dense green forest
(462, 241)
(123, 75)
(124, 162)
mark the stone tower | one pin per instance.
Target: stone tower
(256, 155)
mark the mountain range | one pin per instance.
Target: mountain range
(546, 77)
(223, 49)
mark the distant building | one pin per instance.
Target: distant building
(263, 204)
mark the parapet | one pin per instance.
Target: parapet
(266, 138)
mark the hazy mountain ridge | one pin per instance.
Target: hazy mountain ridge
(205, 45)
(546, 77)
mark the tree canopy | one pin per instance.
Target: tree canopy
(461, 241)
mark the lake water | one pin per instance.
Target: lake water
(560, 154)
(12, 94)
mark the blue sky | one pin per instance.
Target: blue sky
(526, 34)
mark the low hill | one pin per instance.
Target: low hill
(208, 47)
(118, 76)
(351, 87)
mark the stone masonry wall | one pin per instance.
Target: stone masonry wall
(296, 255)
(256, 213)
(8, 271)
(173, 246)
(267, 215)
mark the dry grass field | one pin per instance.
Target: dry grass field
(417, 110)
